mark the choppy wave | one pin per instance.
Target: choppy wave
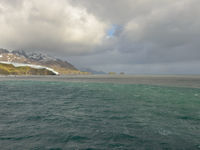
(64, 115)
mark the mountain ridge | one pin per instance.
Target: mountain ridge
(37, 58)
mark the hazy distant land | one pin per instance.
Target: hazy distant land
(192, 81)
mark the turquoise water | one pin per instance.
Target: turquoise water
(57, 115)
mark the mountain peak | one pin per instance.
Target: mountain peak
(3, 51)
(37, 58)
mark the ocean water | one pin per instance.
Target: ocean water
(45, 115)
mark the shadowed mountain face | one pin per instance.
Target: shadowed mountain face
(63, 67)
(92, 71)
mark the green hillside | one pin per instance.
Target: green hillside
(9, 69)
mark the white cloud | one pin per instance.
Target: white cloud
(154, 35)
(49, 25)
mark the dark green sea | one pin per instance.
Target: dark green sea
(56, 115)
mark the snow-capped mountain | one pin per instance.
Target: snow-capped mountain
(38, 59)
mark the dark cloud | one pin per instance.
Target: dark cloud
(153, 36)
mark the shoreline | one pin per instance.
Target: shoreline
(191, 81)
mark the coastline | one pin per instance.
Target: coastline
(190, 81)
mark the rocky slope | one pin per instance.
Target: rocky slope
(62, 67)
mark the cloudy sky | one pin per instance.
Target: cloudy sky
(133, 36)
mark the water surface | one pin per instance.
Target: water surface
(69, 115)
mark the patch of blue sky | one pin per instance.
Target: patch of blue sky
(114, 30)
(111, 32)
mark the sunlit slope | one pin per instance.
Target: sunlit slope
(61, 66)
(9, 69)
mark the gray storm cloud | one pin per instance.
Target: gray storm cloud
(155, 36)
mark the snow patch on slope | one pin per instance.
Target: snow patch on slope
(29, 65)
